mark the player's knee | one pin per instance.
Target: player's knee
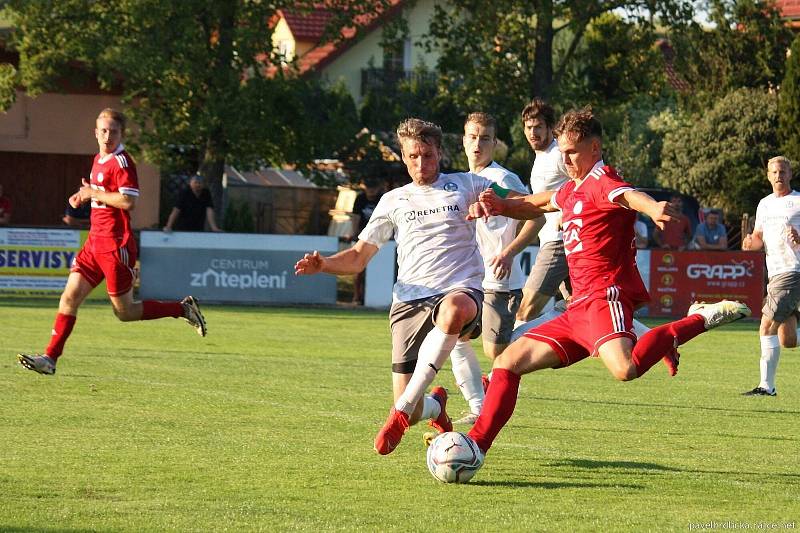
(788, 340)
(624, 372)
(124, 314)
(454, 316)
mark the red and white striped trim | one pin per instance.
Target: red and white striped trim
(619, 190)
(616, 309)
(122, 160)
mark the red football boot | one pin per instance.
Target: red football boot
(442, 422)
(392, 431)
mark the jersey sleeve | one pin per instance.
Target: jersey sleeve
(380, 227)
(512, 181)
(207, 201)
(760, 212)
(127, 178)
(610, 188)
(553, 181)
(479, 184)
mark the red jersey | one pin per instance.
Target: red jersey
(599, 235)
(111, 226)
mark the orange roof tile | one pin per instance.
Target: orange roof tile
(789, 8)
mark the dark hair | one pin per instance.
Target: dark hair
(484, 119)
(538, 108)
(419, 130)
(579, 124)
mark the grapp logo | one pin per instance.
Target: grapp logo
(734, 270)
(450, 187)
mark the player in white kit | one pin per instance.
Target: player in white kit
(499, 245)
(437, 297)
(776, 231)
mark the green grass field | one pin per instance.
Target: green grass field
(267, 425)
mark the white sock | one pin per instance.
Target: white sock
(639, 329)
(433, 352)
(430, 408)
(518, 323)
(770, 354)
(467, 372)
(519, 331)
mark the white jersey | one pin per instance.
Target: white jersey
(549, 174)
(773, 216)
(436, 246)
(496, 233)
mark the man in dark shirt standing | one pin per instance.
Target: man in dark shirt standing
(362, 209)
(193, 208)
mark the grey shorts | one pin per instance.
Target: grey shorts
(411, 321)
(549, 269)
(499, 314)
(783, 295)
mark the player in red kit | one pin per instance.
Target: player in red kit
(598, 210)
(110, 250)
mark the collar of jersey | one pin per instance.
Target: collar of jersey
(119, 149)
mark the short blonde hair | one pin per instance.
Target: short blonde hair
(114, 115)
(780, 159)
(484, 119)
(420, 130)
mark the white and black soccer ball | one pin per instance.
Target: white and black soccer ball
(454, 457)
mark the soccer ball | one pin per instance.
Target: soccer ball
(454, 457)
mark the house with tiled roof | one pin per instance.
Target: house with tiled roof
(358, 59)
(790, 9)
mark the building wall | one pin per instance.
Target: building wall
(282, 34)
(58, 127)
(347, 67)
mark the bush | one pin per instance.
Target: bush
(719, 156)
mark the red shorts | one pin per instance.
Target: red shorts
(116, 266)
(588, 324)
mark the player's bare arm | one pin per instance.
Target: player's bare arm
(501, 263)
(515, 205)
(660, 212)
(113, 199)
(350, 261)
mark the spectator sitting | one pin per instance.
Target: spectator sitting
(78, 217)
(193, 208)
(710, 234)
(675, 235)
(5, 208)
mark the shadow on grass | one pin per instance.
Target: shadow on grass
(668, 406)
(628, 465)
(550, 485)
(591, 464)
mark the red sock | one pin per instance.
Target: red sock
(62, 327)
(498, 406)
(152, 309)
(659, 341)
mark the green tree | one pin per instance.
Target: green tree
(789, 105)
(200, 76)
(498, 55)
(745, 47)
(719, 155)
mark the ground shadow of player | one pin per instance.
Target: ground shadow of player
(628, 465)
(555, 485)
